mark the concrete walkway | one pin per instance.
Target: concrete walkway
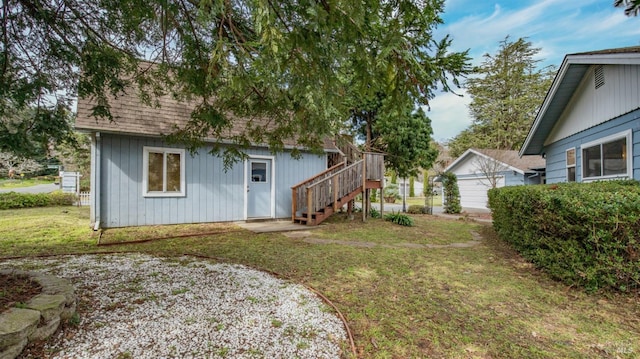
(269, 226)
(40, 188)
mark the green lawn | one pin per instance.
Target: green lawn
(477, 302)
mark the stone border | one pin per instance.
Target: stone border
(40, 317)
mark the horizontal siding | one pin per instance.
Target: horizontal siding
(555, 152)
(212, 194)
(590, 107)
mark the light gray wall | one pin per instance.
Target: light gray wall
(212, 195)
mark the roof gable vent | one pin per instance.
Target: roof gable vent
(599, 76)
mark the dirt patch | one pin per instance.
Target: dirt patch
(16, 289)
(477, 215)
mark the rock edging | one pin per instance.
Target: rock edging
(40, 317)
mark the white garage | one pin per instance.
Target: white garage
(473, 191)
(475, 167)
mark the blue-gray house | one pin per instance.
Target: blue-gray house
(138, 179)
(588, 127)
(479, 170)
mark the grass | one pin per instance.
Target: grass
(16, 183)
(478, 302)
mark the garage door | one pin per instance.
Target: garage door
(473, 192)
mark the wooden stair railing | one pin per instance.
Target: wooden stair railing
(351, 153)
(299, 191)
(317, 198)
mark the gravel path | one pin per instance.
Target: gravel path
(141, 306)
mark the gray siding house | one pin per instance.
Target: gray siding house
(479, 170)
(138, 179)
(588, 127)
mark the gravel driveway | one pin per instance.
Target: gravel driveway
(140, 306)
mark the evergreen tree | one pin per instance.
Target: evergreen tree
(288, 63)
(451, 193)
(412, 184)
(405, 138)
(506, 96)
(632, 7)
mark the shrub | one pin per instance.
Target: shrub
(585, 234)
(374, 213)
(61, 199)
(451, 193)
(391, 191)
(12, 200)
(416, 209)
(374, 195)
(399, 218)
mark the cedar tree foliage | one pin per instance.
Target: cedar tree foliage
(286, 66)
(506, 95)
(631, 7)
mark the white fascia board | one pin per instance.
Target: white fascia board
(557, 81)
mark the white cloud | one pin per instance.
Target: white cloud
(557, 27)
(449, 115)
(552, 20)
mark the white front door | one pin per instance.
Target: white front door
(259, 188)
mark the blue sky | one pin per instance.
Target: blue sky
(557, 27)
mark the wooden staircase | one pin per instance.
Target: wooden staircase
(317, 198)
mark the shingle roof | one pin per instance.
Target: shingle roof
(513, 159)
(619, 50)
(510, 158)
(133, 117)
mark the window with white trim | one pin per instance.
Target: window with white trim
(571, 164)
(609, 157)
(163, 172)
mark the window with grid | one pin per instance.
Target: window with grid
(163, 172)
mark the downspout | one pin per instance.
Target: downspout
(95, 185)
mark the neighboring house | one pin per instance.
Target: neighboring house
(588, 127)
(404, 185)
(479, 170)
(138, 179)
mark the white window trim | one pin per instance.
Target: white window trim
(624, 134)
(145, 172)
(574, 165)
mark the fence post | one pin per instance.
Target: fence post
(364, 187)
(309, 205)
(294, 203)
(334, 185)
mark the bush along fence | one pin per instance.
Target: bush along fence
(585, 234)
(13, 200)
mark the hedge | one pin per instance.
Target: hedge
(584, 234)
(12, 200)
